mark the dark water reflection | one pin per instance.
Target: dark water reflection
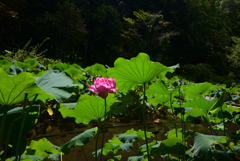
(58, 137)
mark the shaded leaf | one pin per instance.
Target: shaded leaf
(204, 146)
(58, 86)
(79, 140)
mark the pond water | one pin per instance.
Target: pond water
(63, 133)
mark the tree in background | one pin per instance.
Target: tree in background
(231, 14)
(146, 33)
(90, 31)
(234, 57)
(104, 25)
(66, 30)
(10, 20)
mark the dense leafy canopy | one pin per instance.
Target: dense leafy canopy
(86, 32)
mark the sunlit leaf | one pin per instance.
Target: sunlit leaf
(97, 70)
(74, 73)
(196, 112)
(232, 109)
(197, 90)
(138, 70)
(45, 148)
(159, 99)
(30, 61)
(22, 65)
(87, 108)
(159, 87)
(172, 133)
(61, 66)
(201, 103)
(14, 88)
(5, 64)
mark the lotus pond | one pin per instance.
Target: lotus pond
(47, 112)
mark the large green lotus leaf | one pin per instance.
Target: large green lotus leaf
(30, 121)
(197, 90)
(22, 65)
(14, 88)
(201, 103)
(74, 73)
(58, 86)
(79, 140)
(97, 70)
(61, 66)
(169, 146)
(77, 66)
(196, 112)
(88, 108)
(204, 146)
(159, 88)
(159, 99)
(45, 148)
(172, 133)
(138, 70)
(32, 62)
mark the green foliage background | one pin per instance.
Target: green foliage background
(202, 32)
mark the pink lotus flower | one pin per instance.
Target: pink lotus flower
(103, 86)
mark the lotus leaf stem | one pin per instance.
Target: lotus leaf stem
(84, 153)
(22, 126)
(223, 120)
(12, 125)
(175, 124)
(4, 117)
(144, 121)
(99, 124)
(104, 126)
